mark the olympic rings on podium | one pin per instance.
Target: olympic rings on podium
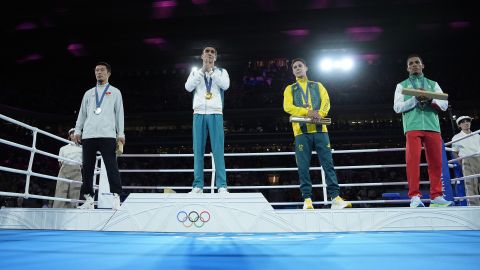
(193, 218)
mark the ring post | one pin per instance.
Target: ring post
(446, 180)
(104, 196)
(212, 181)
(459, 184)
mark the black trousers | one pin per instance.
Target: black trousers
(106, 147)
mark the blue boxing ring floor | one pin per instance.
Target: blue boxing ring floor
(53, 249)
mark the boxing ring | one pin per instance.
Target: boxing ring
(238, 230)
(232, 212)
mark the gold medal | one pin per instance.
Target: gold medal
(208, 95)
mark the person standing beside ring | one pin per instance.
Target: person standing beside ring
(71, 171)
(100, 124)
(470, 165)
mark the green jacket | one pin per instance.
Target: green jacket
(416, 116)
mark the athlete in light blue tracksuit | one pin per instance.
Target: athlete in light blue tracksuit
(208, 85)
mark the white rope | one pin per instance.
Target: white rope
(26, 196)
(269, 153)
(275, 186)
(466, 177)
(7, 169)
(13, 121)
(462, 138)
(464, 157)
(159, 187)
(268, 169)
(160, 170)
(467, 197)
(31, 149)
(160, 155)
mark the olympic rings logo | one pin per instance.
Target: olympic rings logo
(193, 218)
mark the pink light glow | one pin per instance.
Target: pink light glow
(30, 58)
(26, 26)
(155, 41)
(163, 9)
(77, 49)
(459, 24)
(367, 33)
(298, 32)
(165, 4)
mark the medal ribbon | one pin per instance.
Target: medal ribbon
(414, 84)
(208, 83)
(305, 94)
(97, 100)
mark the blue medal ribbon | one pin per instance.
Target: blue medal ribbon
(97, 100)
(208, 83)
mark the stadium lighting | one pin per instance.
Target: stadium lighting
(326, 64)
(346, 63)
(343, 64)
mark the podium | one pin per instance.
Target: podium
(235, 213)
(199, 212)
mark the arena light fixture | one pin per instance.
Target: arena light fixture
(337, 64)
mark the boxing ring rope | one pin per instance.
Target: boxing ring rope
(323, 185)
(33, 150)
(454, 163)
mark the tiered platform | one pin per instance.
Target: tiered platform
(235, 212)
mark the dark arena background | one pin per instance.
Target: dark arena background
(357, 49)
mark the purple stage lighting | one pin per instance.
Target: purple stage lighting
(77, 49)
(365, 33)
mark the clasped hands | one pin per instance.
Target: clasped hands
(207, 65)
(315, 116)
(423, 99)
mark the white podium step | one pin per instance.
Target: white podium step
(235, 212)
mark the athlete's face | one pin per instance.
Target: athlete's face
(101, 74)
(414, 65)
(299, 69)
(209, 55)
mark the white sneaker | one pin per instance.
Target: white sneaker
(88, 204)
(416, 202)
(116, 202)
(223, 190)
(440, 202)
(339, 203)
(196, 190)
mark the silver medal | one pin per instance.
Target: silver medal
(98, 110)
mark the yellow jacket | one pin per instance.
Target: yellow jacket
(318, 99)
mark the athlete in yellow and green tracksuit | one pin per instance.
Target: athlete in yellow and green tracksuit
(308, 98)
